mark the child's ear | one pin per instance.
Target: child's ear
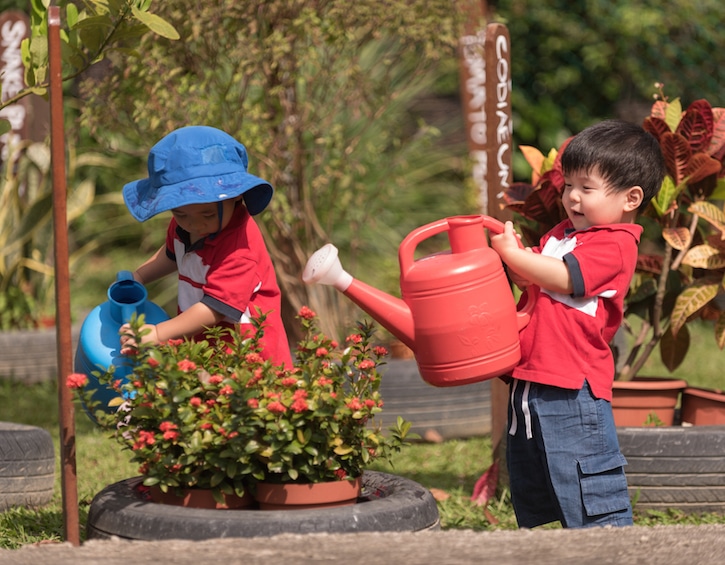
(635, 195)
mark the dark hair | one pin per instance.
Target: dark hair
(623, 153)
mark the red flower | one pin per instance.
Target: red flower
(171, 435)
(76, 380)
(354, 338)
(321, 352)
(354, 404)
(306, 313)
(215, 379)
(341, 474)
(289, 381)
(300, 393)
(370, 403)
(253, 403)
(165, 426)
(366, 364)
(153, 362)
(276, 407)
(206, 426)
(253, 358)
(324, 381)
(175, 341)
(380, 351)
(226, 390)
(299, 405)
(186, 365)
(195, 401)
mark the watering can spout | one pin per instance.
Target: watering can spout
(392, 313)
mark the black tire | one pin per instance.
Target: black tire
(680, 467)
(390, 504)
(449, 412)
(27, 466)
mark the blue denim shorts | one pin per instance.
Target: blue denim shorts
(563, 456)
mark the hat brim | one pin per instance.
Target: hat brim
(145, 201)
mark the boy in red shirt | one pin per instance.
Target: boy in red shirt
(225, 273)
(563, 454)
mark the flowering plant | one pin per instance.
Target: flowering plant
(215, 414)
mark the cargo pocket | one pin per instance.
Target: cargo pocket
(603, 484)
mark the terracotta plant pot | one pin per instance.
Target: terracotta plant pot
(200, 498)
(294, 496)
(646, 401)
(703, 407)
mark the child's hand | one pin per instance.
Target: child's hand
(127, 337)
(506, 243)
(503, 243)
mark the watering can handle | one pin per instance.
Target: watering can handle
(124, 276)
(523, 316)
(406, 254)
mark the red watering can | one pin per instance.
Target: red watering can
(457, 312)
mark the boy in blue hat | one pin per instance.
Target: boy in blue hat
(225, 273)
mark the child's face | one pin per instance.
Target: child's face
(202, 220)
(589, 201)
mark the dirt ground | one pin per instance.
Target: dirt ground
(693, 545)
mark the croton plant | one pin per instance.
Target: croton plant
(681, 266)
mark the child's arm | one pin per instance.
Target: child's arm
(547, 272)
(187, 324)
(157, 266)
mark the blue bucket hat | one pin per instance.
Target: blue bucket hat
(195, 165)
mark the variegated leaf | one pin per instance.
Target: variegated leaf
(717, 143)
(677, 153)
(704, 257)
(710, 213)
(691, 300)
(679, 238)
(673, 348)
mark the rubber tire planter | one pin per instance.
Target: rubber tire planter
(390, 504)
(27, 466)
(675, 467)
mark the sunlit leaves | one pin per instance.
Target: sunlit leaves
(704, 257)
(710, 213)
(692, 299)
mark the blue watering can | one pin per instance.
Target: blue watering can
(99, 346)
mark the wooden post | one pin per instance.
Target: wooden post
(69, 483)
(485, 71)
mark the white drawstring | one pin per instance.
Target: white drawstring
(524, 410)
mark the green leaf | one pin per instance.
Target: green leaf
(4, 126)
(673, 114)
(156, 24)
(667, 194)
(719, 192)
